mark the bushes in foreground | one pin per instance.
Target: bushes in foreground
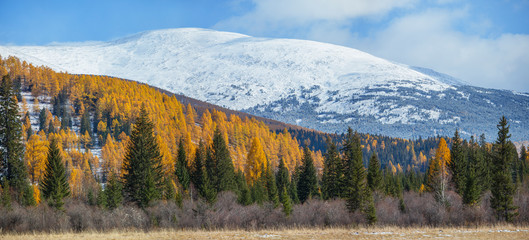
(226, 213)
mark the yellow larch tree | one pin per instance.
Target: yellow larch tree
(438, 172)
(256, 162)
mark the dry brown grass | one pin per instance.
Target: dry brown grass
(496, 232)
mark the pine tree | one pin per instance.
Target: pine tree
(12, 167)
(259, 192)
(54, 186)
(374, 174)
(282, 177)
(473, 188)
(502, 187)
(85, 123)
(332, 172)
(200, 176)
(458, 163)
(308, 181)
(286, 202)
(143, 177)
(113, 192)
(370, 210)
(271, 187)
(181, 166)
(244, 197)
(42, 120)
(225, 173)
(354, 176)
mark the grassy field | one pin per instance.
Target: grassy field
(500, 232)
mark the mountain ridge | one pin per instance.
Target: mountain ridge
(311, 84)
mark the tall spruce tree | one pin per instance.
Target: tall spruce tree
(458, 163)
(143, 177)
(271, 187)
(502, 188)
(354, 176)
(308, 181)
(473, 186)
(113, 192)
(42, 120)
(54, 186)
(224, 170)
(85, 123)
(374, 173)
(199, 175)
(12, 167)
(181, 170)
(282, 177)
(332, 172)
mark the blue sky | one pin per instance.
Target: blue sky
(485, 43)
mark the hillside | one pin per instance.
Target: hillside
(310, 84)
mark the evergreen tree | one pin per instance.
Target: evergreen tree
(143, 177)
(332, 172)
(259, 192)
(271, 187)
(285, 201)
(66, 119)
(473, 187)
(354, 176)
(282, 177)
(101, 198)
(113, 192)
(308, 181)
(225, 173)
(42, 120)
(12, 167)
(244, 197)
(181, 166)
(458, 163)
(486, 174)
(293, 190)
(200, 176)
(85, 123)
(374, 174)
(502, 188)
(169, 192)
(370, 211)
(5, 199)
(54, 186)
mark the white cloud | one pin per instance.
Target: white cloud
(426, 38)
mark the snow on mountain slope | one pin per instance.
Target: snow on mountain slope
(317, 85)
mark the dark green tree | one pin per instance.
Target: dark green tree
(85, 123)
(181, 169)
(224, 171)
(54, 186)
(332, 172)
(271, 187)
(502, 187)
(244, 197)
(282, 177)
(458, 163)
(259, 192)
(113, 192)
(12, 168)
(374, 174)
(370, 210)
(308, 181)
(199, 175)
(473, 187)
(143, 177)
(42, 120)
(285, 201)
(355, 175)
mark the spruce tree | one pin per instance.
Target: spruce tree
(354, 176)
(225, 172)
(200, 175)
(143, 177)
(12, 167)
(271, 187)
(244, 197)
(374, 174)
(458, 163)
(54, 186)
(308, 181)
(181, 166)
(502, 188)
(370, 210)
(85, 123)
(332, 172)
(113, 192)
(473, 187)
(258, 191)
(285, 201)
(282, 177)
(42, 120)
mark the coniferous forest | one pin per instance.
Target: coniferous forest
(82, 152)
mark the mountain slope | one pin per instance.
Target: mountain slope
(316, 85)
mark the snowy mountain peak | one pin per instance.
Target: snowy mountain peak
(309, 83)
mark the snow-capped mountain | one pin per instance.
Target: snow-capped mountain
(312, 84)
